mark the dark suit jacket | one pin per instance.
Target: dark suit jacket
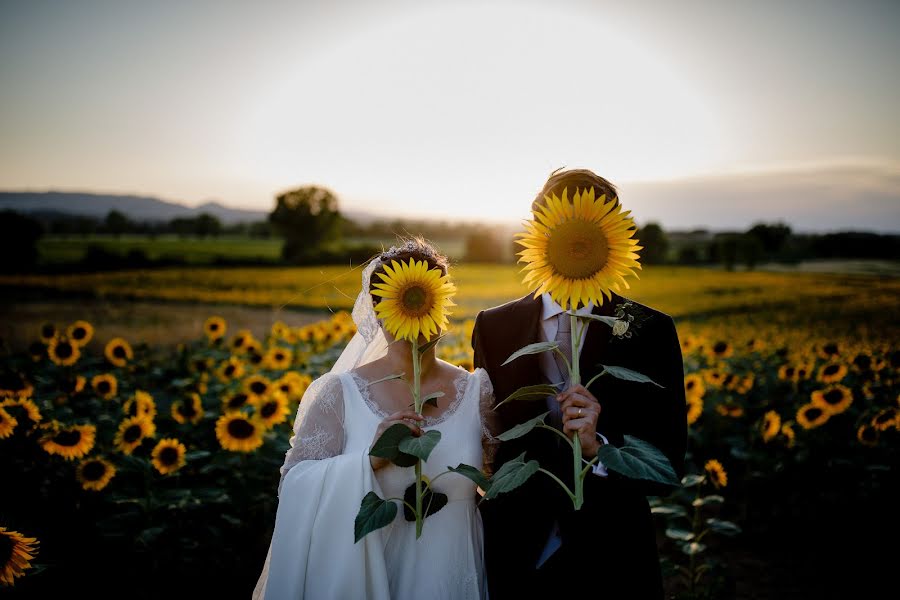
(613, 535)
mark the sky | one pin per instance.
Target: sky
(714, 114)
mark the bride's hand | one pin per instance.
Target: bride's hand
(398, 417)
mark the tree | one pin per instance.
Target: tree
(483, 246)
(772, 238)
(117, 223)
(655, 243)
(19, 236)
(308, 220)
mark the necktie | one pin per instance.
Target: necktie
(564, 339)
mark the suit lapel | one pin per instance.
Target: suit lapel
(597, 340)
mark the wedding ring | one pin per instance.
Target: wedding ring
(579, 412)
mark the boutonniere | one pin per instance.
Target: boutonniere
(629, 319)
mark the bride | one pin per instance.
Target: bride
(327, 471)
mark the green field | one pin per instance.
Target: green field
(65, 250)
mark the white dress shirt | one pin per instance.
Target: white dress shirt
(549, 326)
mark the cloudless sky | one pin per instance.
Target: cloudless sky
(438, 108)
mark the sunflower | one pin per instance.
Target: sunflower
(95, 473)
(190, 409)
(16, 554)
(885, 419)
(254, 354)
(835, 399)
(132, 432)
(239, 433)
(257, 385)
(730, 409)
(214, 328)
(80, 332)
(694, 386)
(278, 358)
(771, 425)
(695, 408)
(73, 385)
(755, 345)
(415, 299)
(7, 424)
(69, 442)
(230, 369)
(24, 407)
(867, 435)
(829, 350)
(118, 352)
(241, 338)
(105, 385)
(812, 415)
(63, 352)
(280, 330)
(141, 404)
(235, 401)
(272, 409)
(787, 432)
(832, 373)
(787, 372)
(37, 351)
(14, 385)
(202, 365)
(714, 378)
(168, 456)
(804, 371)
(721, 349)
(48, 332)
(716, 473)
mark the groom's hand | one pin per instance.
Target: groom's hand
(580, 411)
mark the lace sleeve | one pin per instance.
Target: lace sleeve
(319, 425)
(490, 422)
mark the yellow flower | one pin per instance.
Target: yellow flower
(24, 407)
(730, 409)
(694, 386)
(787, 372)
(721, 349)
(415, 299)
(829, 350)
(18, 553)
(63, 352)
(118, 352)
(867, 434)
(716, 473)
(578, 250)
(787, 431)
(812, 415)
(132, 432)
(834, 399)
(257, 385)
(241, 339)
(105, 385)
(168, 456)
(695, 408)
(214, 328)
(80, 332)
(141, 404)
(95, 473)
(48, 332)
(230, 369)
(239, 433)
(273, 409)
(235, 401)
(885, 419)
(70, 442)
(7, 424)
(714, 378)
(771, 425)
(190, 409)
(832, 372)
(73, 385)
(278, 358)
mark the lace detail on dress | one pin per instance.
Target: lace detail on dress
(490, 422)
(319, 425)
(459, 384)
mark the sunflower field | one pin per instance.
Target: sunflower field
(139, 471)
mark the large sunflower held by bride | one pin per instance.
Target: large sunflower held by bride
(415, 299)
(579, 250)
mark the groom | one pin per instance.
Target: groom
(536, 544)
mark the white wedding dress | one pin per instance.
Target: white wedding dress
(328, 472)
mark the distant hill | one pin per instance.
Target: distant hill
(137, 208)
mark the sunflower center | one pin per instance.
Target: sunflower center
(268, 409)
(862, 361)
(48, 331)
(258, 388)
(229, 370)
(883, 418)
(415, 300)
(577, 249)
(79, 333)
(831, 369)
(168, 456)
(64, 350)
(103, 387)
(720, 347)
(237, 401)
(834, 396)
(119, 352)
(240, 429)
(132, 434)
(813, 413)
(68, 437)
(94, 470)
(187, 409)
(213, 326)
(831, 349)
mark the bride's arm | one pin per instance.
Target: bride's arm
(319, 425)
(490, 422)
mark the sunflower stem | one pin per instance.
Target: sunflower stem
(417, 401)
(575, 379)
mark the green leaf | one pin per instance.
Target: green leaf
(374, 513)
(530, 392)
(638, 459)
(196, 455)
(628, 374)
(682, 535)
(432, 399)
(430, 344)
(692, 548)
(603, 319)
(692, 480)
(472, 473)
(669, 511)
(723, 527)
(713, 499)
(511, 475)
(388, 446)
(535, 348)
(388, 378)
(421, 446)
(431, 501)
(522, 428)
